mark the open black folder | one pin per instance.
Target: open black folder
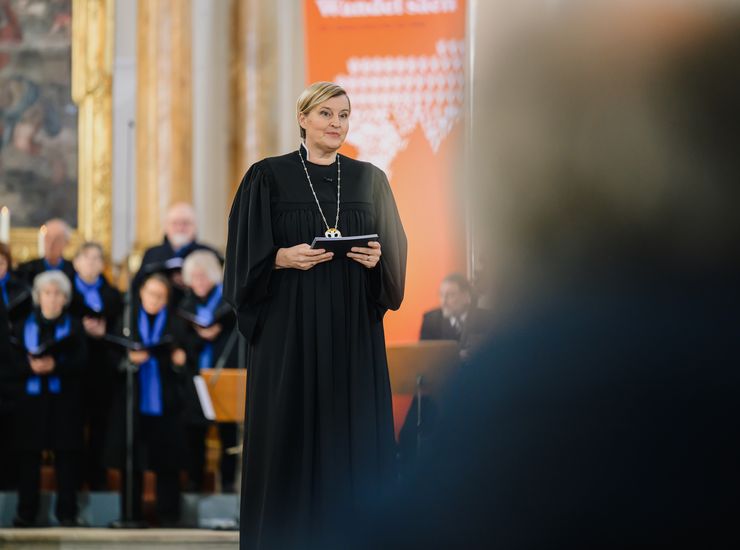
(166, 267)
(341, 245)
(133, 345)
(219, 315)
(47, 348)
(87, 311)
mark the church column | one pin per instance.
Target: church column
(254, 122)
(163, 113)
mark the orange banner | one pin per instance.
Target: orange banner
(402, 63)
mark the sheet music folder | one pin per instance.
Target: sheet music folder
(341, 245)
(48, 348)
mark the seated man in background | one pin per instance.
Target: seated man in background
(457, 318)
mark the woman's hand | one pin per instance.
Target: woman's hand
(94, 327)
(369, 257)
(301, 256)
(138, 357)
(41, 365)
(178, 357)
(210, 333)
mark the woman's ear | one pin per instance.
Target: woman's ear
(302, 120)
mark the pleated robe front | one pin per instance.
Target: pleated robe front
(319, 425)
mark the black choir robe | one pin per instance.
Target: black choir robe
(168, 428)
(49, 421)
(102, 364)
(194, 344)
(28, 270)
(19, 298)
(319, 423)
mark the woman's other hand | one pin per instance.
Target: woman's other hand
(369, 257)
(301, 256)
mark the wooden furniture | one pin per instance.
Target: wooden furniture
(228, 391)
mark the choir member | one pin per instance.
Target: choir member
(7, 465)
(319, 423)
(48, 367)
(99, 306)
(55, 240)
(180, 239)
(14, 292)
(211, 337)
(157, 393)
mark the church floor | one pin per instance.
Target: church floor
(109, 539)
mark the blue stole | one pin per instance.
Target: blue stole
(31, 341)
(3, 286)
(90, 293)
(57, 267)
(205, 314)
(150, 385)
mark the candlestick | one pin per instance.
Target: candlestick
(42, 241)
(5, 225)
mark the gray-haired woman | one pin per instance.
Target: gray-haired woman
(48, 368)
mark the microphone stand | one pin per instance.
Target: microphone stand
(128, 521)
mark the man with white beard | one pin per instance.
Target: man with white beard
(179, 241)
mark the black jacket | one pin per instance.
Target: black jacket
(27, 271)
(436, 327)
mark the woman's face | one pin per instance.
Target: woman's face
(51, 301)
(200, 282)
(153, 296)
(89, 264)
(327, 124)
(3, 266)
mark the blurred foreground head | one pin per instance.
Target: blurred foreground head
(604, 413)
(607, 143)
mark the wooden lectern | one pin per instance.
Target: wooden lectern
(415, 369)
(228, 391)
(421, 368)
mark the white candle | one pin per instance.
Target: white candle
(42, 241)
(5, 225)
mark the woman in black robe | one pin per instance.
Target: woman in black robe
(99, 305)
(319, 426)
(47, 412)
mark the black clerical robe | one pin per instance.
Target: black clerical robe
(319, 424)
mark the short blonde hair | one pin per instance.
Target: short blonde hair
(207, 261)
(53, 277)
(317, 93)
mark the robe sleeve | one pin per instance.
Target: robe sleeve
(250, 249)
(388, 278)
